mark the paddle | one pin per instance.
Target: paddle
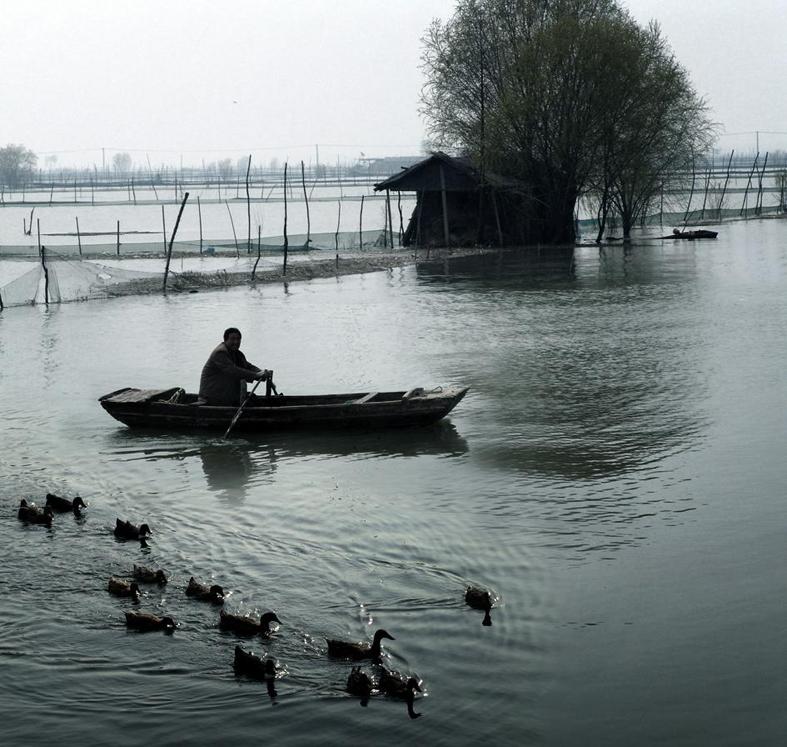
(243, 404)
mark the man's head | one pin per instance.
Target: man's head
(232, 338)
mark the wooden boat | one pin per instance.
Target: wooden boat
(700, 233)
(174, 409)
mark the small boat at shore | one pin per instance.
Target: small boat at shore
(175, 409)
(700, 233)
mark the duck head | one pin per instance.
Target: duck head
(78, 504)
(144, 530)
(267, 619)
(168, 623)
(380, 634)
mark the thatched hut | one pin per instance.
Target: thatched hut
(458, 206)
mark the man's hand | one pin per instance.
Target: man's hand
(262, 375)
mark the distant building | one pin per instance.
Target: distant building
(457, 206)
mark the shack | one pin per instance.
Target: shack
(458, 206)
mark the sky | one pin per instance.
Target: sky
(186, 81)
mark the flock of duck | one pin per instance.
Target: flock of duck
(360, 683)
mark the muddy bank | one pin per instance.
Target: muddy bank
(310, 269)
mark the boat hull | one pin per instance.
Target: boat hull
(172, 409)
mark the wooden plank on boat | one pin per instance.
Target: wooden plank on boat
(143, 395)
(365, 398)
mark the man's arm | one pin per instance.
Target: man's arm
(224, 363)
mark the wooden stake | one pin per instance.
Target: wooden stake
(284, 268)
(390, 221)
(118, 239)
(248, 207)
(164, 228)
(38, 230)
(306, 200)
(360, 225)
(46, 274)
(726, 180)
(79, 237)
(172, 238)
(336, 235)
(199, 212)
(234, 235)
(401, 220)
(259, 248)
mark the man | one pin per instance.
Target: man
(226, 370)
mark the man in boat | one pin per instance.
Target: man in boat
(226, 372)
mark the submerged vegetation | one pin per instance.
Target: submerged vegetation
(573, 97)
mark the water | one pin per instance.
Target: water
(615, 475)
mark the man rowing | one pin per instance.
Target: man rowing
(224, 375)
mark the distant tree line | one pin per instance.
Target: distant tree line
(573, 97)
(17, 165)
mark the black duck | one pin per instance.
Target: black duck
(127, 530)
(247, 625)
(358, 651)
(359, 683)
(213, 594)
(56, 503)
(150, 576)
(252, 665)
(120, 588)
(479, 599)
(397, 685)
(32, 514)
(148, 621)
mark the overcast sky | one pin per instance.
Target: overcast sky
(203, 79)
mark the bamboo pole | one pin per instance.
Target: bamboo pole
(390, 220)
(79, 237)
(497, 218)
(259, 249)
(748, 184)
(691, 193)
(284, 267)
(360, 225)
(46, 275)
(117, 245)
(401, 220)
(133, 190)
(420, 200)
(336, 235)
(38, 232)
(306, 201)
(199, 212)
(164, 228)
(760, 175)
(248, 207)
(234, 235)
(726, 181)
(172, 238)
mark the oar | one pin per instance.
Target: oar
(240, 409)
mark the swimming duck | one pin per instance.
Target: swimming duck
(121, 588)
(148, 621)
(127, 530)
(32, 514)
(397, 685)
(252, 665)
(64, 504)
(357, 651)
(213, 594)
(479, 599)
(247, 625)
(149, 576)
(359, 683)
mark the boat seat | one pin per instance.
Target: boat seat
(365, 398)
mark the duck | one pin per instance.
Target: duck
(396, 685)
(357, 651)
(213, 594)
(149, 621)
(248, 663)
(479, 599)
(149, 576)
(359, 683)
(64, 504)
(247, 625)
(127, 530)
(32, 514)
(121, 588)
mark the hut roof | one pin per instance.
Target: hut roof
(459, 173)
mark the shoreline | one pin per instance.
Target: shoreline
(194, 282)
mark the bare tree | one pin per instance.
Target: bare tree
(16, 165)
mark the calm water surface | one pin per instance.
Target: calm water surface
(616, 475)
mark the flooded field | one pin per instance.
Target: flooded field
(615, 476)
